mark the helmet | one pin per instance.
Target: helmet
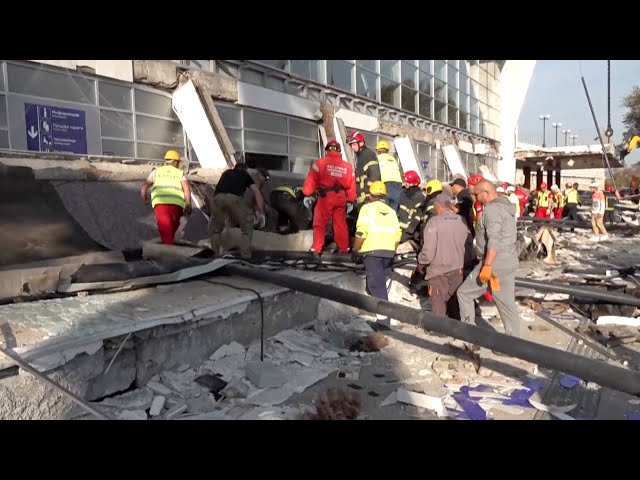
(543, 185)
(382, 145)
(500, 189)
(172, 156)
(504, 186)
(333, 145)
(569, 184)
(412, 177)
(433, 186)
(609, 188)
(378, 188)
(554, 187)
(474, 179)
(355, 137)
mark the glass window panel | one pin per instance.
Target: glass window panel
(227, 69)
(116, 124)
(452, 78)
(426, 66)
(263, 121)
(440, 70)
(279, 64)
(409, 75)
(463, 67)
(303, 148)
(153, 104)
(114, 96)
(235, 136)
(440, 111)
(42, 83)
(475, 89)
(231, 117)
(303, 129)
(366, 83)
(300, 165)
(463, 83)
(483, 94)
(452, 117)
(201, 64)
(408, 99)
(426, 84)
(464, 102)
(440, 90)
(453, 63)
(306, 68)
(252, 76)
(452, 97)
(147, 150)
(4, 139)
(157, 130)
(274, 83)
(339, 74)
(474, 124)
(3, 112)
(368, 64)
(390, 69)
(475, 107)
(259, 142)
(463, 118)
(1, 77)
(425, 106)
(118, 148)
(389, 92)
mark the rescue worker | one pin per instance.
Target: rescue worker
(410, 208)
(227, 202)
(557, 202)
(170, 196)
(610, 201)
(572, 200)
(523, 198)
(390, 173)
(367, 166)
(511, 195)
(293, 215)
(432, 189)
(597, 214)
(332, 181)
(496, 241)
(543, 209)
(464, 202)
(377, 237)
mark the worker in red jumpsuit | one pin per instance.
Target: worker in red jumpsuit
(332, 182)
(523, 198)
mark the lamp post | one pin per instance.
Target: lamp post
(573, 137)
(544, 119)
(566, 132)
(556, 125)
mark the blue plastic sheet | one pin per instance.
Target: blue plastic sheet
(470, 407)
(569, 381)
(632, 415)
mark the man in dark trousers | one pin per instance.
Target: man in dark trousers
(293, 215)
(367, 166)
(410, 208)
(228, 202)
(464, 202)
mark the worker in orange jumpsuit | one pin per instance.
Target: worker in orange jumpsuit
(332, 182)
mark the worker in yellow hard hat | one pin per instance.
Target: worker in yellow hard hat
(432, 189)
(170, 195)
(378, 234)
(390, 173)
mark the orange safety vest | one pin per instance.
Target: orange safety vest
(543, 198)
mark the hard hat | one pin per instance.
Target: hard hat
(500, 189)
(510, 189)
(378, 188)
(433, 186)
(412, 177)
(609, 188)
(594, 185)
(474, 179)
(355, 137)
(333, 145)
(554, 187)
(382, 145)
(569, 184)
(172, 156)
(504, 185)
(543, 185)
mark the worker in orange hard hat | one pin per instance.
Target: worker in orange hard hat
(170, 195)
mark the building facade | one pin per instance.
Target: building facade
(273, 117)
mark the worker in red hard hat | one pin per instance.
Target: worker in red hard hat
(523, 198)
(332, 182)
(543, 205)
(410, 208)
(367, 166)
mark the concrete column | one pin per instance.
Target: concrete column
(549, 178)
(527, 177)
(559, 178)
(539, 174)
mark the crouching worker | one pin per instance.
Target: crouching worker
(170, 196)
(377, 237)
(446, 240)
(293, 216)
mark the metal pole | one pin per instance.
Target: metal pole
(544, 133)
(585, 368)
(25, 366)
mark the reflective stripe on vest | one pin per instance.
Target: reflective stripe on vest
(559, 200)
(572, 196)
(543, 198)
(167, 188)
(389, 168)
(285, 189)
(383, 230)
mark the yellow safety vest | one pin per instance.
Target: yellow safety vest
(559, 200)
(572, 196)
(389, 168)
(378, 225)
(167, 188)
(543, 199)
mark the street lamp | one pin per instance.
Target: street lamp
(556, 125)
(566, 132)
(573, 137)
(544, 119)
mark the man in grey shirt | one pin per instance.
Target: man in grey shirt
(496, 240)
(446, 239)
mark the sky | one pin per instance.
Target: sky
(556, 89)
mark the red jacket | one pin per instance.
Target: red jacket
(523, 198)
(329, 171)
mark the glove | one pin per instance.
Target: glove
(308, 202)
(356, 258)
(349, 208)
(261, 220)
(494, 283)
(485, 274)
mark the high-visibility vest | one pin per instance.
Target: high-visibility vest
(389, 168)
(572, 196)
(379, 222)
(288, 190)
(543, 198)
(559, 200)
(167, 187)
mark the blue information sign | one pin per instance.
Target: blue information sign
(55, 129)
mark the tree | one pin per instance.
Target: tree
(632, 102)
